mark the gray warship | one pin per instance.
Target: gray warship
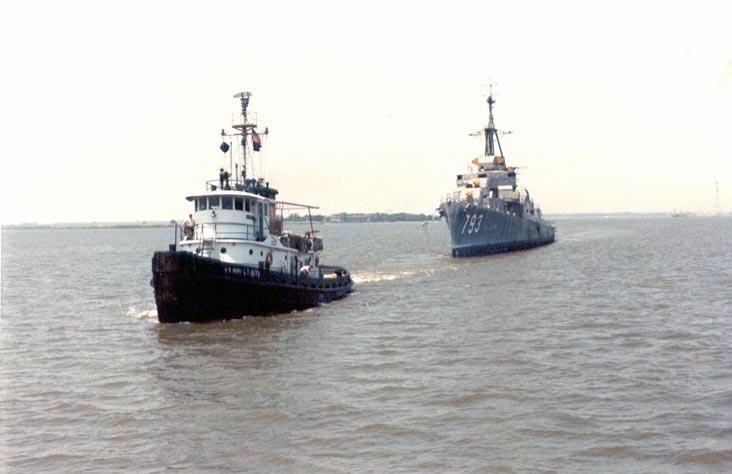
(488, 213)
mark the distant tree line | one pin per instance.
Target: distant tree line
(298, 218)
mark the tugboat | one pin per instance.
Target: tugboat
(233, 258)
(488, 214)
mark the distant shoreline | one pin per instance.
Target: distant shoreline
(88, 225)
(340, 218)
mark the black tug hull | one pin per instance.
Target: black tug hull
(190, 288)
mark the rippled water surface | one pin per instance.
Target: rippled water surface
(610, 350)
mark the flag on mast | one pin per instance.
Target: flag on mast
(256, 141)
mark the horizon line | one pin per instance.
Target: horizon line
(161, 223)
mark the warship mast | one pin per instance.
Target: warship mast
(490, 131)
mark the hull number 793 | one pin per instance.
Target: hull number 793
(472, 223)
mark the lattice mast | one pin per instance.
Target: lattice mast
(490, 131)
(247, 128)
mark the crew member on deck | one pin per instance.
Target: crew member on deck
(188, 227)
(309, 241)
(221, 178)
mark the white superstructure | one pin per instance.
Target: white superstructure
(238, 219)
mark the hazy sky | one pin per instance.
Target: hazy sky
(111, 111)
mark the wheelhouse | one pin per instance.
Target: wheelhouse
(234, 215)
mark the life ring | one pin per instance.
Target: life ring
(269, 257)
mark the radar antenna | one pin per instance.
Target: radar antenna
(244, 98)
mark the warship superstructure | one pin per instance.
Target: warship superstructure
(233, 258)
(488, 213)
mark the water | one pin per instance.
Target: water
(610, 350)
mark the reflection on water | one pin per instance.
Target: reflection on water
(249, 331)
(256, 344)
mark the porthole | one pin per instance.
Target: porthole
(223, 249)
(198, 250)
(251, 251)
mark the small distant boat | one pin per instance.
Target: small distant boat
(233, 259)
(677, 213)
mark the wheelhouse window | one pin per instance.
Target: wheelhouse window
(239, 204)
(214, 202)
(227, 202)
(248, 205)
(201, 204)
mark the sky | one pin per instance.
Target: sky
(112, 111)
